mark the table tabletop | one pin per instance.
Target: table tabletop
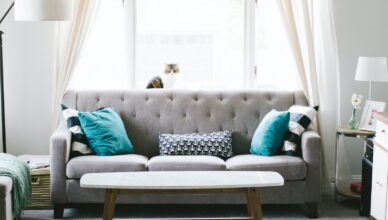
(182, 180)
(354, 132)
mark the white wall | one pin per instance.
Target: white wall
(28, 63)
(362, 30)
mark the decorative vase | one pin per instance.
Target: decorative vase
(353, 123)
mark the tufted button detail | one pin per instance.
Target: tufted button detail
(184, 115)
(147, 98)
(122, 99)
(134, 115)
(245, 98)
(195, 98)
(158, 115)
(171, 98)
(221, 98)
(233, 115)
(209, 114)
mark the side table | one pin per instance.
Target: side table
(347, 132)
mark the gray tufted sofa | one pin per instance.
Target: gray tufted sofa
(147, 112)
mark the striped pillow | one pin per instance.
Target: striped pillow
(79, 145)
(300, 119)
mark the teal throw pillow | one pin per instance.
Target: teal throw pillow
(105, 132)
(269, 135)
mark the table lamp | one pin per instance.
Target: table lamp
(31, 10)
(372, 69)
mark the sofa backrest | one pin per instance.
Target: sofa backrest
(145, 113)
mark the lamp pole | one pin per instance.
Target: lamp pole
(2, 95)
(3, 133)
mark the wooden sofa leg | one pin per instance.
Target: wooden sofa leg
(312, 209)
(58, 211)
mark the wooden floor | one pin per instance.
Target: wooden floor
(328, 210)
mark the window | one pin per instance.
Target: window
(206, 38)
(102, 62)
(276, 68)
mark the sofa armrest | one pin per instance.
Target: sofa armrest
(312, 155)
(5, 198)
(59, 155)
(5, 185)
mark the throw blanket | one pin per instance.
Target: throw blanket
(19, 172)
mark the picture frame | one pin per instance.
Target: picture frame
(368, 121)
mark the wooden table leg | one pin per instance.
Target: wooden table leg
(110, 202)
(254, 197)
(249, 202)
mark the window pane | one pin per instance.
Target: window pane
(204, 37)
(276, 67)
(102, 62)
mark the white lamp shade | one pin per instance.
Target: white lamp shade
(373, 69)
(43, 10)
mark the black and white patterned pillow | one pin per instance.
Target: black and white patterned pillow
(79, 143)
(300, 119)
(217, 144)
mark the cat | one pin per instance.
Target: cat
(155, 83)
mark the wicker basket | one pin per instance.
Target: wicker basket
(40, 181)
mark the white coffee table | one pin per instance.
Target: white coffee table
(247, 182)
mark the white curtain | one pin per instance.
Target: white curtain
(311, 33)
(70, 39)
(298, 22)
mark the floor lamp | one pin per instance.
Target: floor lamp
(31, 10)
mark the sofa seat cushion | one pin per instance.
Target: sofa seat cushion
(186, 163)
(291, 168)
(98, 164)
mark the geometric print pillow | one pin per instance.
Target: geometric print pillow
(217, 144)
(300, 119)
(79, 143)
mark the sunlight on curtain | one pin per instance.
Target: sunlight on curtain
(326, 47)
(311, 32)
(102, 64)
(276, 68)
(71, 38)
